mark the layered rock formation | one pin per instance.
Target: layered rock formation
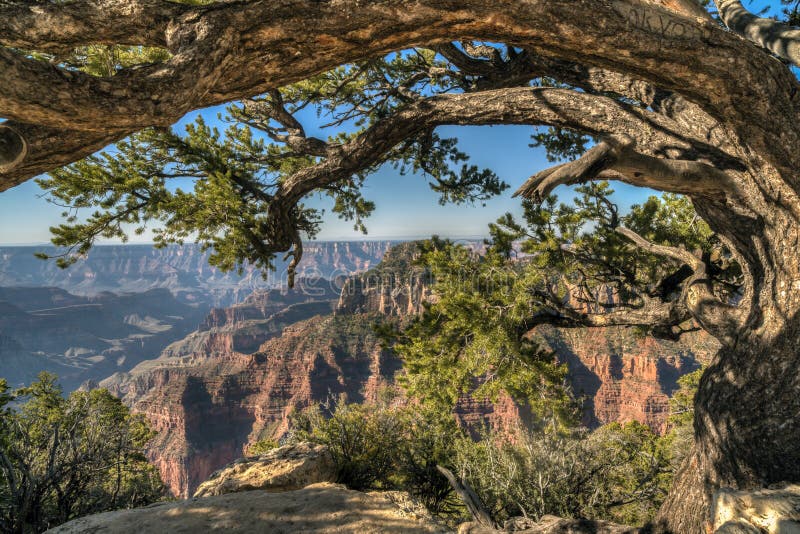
(208, 407)
(83, 332)
(184, 270)
(239, 376)
(624, 375)
(394, 288)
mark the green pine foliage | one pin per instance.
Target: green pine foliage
(217, 187)
(476, 335)
(386, 446)
(680, 436)
(65, 457)
(474, 331)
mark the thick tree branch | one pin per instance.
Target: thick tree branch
(554, 107)
(231, 50)
(47, 147)
(59, 27)
(470, 499)
(780, 39)
(13, 147)
(615, 158)
(593, 114)
(719, 318)
(682, 255)
(586, 168)
(45, 94)
(467, 64)
(662, 315)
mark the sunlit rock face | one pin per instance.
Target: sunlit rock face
(237, 378)
(624, 375)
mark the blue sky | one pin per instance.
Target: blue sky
(405, 205)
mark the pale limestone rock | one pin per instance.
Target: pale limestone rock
(737, 527)
(323, 508)
(774, 510)
(286, 468)
(475, 528)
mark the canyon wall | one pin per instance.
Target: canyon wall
(124, 304)
(239, 376)
(182, 269)
(85, 338)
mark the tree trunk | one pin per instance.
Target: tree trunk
(747, 408)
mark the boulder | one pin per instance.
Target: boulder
(324, 508)
(286, 468)
(775, 510)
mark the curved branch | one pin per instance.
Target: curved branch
(682, 255)
(593, 114)
(47, 148)
(614, 158)
(662, 315)
(466, 63)
(59, 27)
(780, 39)
(686, 177)
(13, 147)
(595, 160)
(718, 318)
(230, 50)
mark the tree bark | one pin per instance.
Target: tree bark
(713, 117)
(231, 50)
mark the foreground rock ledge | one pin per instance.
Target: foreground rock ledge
(319, 508)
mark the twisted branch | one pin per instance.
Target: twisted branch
(231, 50)
(614, 158)
(719, 318)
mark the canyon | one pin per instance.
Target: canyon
(183, 270)
(238, 378)
(123, 305)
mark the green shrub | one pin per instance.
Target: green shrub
(262, 446)
(618, 472)
(428, 440)
(385, 446)
(363, 440)
(62, 458)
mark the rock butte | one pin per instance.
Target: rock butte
(239, 376)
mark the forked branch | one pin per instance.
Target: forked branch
(720, 319)
(615, 158)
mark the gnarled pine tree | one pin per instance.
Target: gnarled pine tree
(675, 100)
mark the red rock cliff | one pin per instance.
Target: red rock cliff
(237, 379)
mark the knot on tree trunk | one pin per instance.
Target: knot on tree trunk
(13, 148)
